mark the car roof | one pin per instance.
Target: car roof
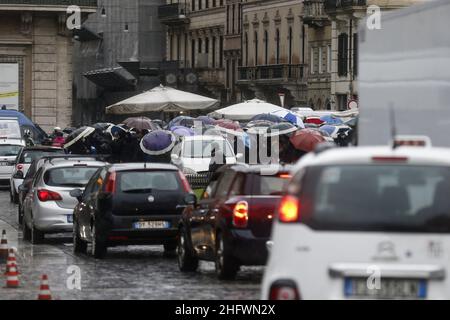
(258, 168)
(41, 148)
(69, 163)
(143, 165)
(365, 155)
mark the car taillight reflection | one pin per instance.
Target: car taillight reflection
(284, 290)
(289, 210)
(47, 195)
(240, 214)
(110, 186)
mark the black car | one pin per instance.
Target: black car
(232, 222)
(129, 204)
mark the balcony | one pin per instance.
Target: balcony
(314, 13)
(333, 5)
(173, 14)
(273, 74)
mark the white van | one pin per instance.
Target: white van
(363, 223)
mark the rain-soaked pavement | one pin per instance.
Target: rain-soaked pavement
(138, 272)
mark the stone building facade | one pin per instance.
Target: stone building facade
(35, 37)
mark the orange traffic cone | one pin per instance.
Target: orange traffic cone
(12, 277)
(11, 260)
(44, 291)
(3, 247)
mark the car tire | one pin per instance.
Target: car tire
(37, 236)
(99, 248)
(187, 262)
(26, 232)
(226, 265)
(79, 246)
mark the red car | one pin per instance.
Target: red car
(232, 222)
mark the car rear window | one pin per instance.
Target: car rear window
(269, 185)
(399, 198)
(7, 150)
(69, 176)
(29, 155)
(147, 181)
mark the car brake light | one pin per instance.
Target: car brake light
(47, 195)
(285, 176)
(111, 183)
(240, 214)
(185, 182)
(19, 167)
(289, 210)
(284, 290)
(389, 159)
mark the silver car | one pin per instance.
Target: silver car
(48, 206)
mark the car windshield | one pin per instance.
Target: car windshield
(204, 148)
(69, 176)
(7, 150)
(29, 155)
(377, 197)
(146, 181)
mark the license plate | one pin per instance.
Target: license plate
(151, 225)
(387, 289)
(4, 163)
(70, 218)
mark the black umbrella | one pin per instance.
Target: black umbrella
(267, 117)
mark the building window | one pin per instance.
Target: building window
(239, 18)
(266, 47)
(329, 59)
(342, 54)
(200, 44)
(277, 40)
(312, 62)
(200, 5)
(355, 54)
(320, 60)
(246, 48)
(290, 45)
(233, 21)
(214, 52)
(221, 52)
(256, 48)
(193, 53)
(206, 4)
(193, 5)
(221, 3)
(228, 19)
(214, 3)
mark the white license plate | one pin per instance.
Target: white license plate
(151, 225)
(387, 289)
(70, 218)
(4, 164)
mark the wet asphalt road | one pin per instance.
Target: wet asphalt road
(137, 272)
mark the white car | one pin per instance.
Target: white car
(194, 152)
(363, 223)
(9, 149)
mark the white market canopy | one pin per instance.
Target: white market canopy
(246, 110)
(163, 99)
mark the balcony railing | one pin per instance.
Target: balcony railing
(331, 5)
(314, 12)
(277, 72)
(174, 13)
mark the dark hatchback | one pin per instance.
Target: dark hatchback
(232, 222)
(129, 204)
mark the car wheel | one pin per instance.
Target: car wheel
(37, 236)
(79, 246)
(98, 247)
(187, 262)
(226, 266)
(26, 231)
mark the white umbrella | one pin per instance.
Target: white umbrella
(164, 99)
(246, 110)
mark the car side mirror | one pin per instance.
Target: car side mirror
(76, 193)
(23, 188)
(18, 175)
(190, 199)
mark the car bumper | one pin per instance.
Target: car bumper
(51, 218)
(248, 249)
(122, 232)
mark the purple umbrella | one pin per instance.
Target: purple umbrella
(158, 142)
(206, 120)
(182, 131)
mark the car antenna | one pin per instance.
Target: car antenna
(393, 127)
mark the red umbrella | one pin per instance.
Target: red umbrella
(306, 139)
(314, 120)
(228, 124)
